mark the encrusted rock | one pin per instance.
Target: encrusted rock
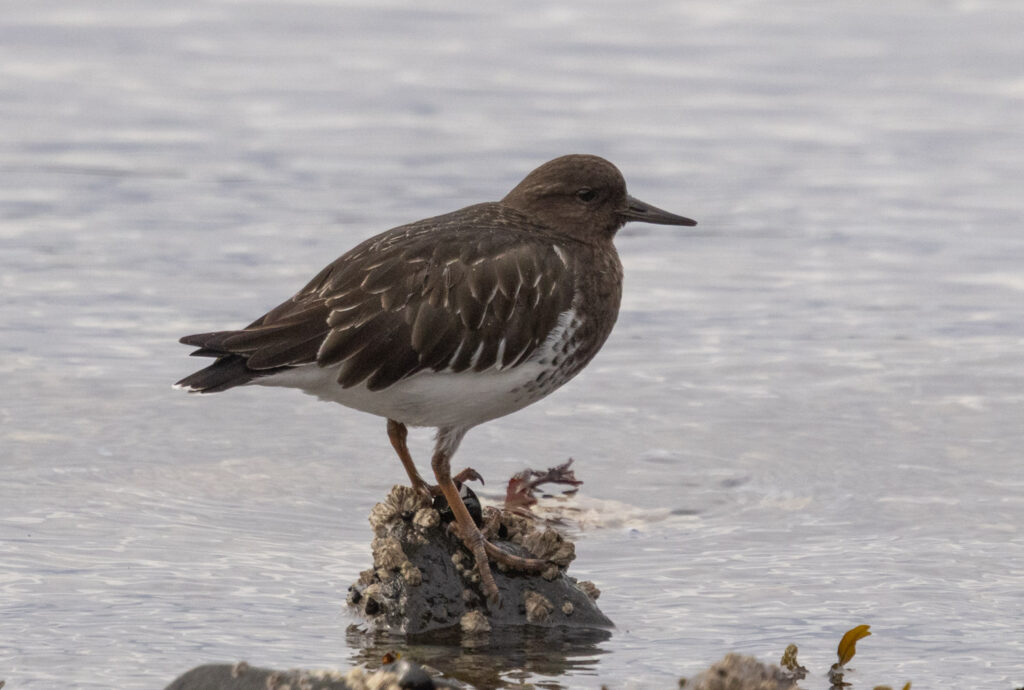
(735, 672)
(538, 607)
(402, 503)
(276, 681)
(396, 676)
(425, 580)
(359, 679)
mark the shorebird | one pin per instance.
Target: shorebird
(451, 321)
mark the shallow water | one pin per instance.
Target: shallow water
(821, 385)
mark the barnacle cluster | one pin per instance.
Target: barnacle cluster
(403, 503)
(547, 544)
(357, 678)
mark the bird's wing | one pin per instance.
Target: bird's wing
(465, 291)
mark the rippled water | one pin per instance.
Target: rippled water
(811, 410)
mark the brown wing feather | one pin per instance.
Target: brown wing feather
(443, 293)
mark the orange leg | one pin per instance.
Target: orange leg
(470, 533)
(398, 433)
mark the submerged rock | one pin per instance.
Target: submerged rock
(733, 672)
(241, 676)
(739, 672)
(423, 579)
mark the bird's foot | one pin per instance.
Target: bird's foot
(468, 475)
(421, 487)
(519, 494)
(485, 551)
(432, 490)
(521, 563)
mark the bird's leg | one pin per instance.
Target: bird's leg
(398, 433)
(447, 441)
(468, 531)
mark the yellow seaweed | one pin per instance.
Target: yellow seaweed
(848, 645)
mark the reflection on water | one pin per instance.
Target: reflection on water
(807, 418)
(502, 658)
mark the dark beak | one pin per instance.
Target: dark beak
(645, 213)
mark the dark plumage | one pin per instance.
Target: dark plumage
(453, 320)
(424, 296)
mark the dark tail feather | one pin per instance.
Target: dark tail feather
(207, 352)
(210, 342)
(226, 372)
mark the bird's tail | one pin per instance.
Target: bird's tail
(228, 371)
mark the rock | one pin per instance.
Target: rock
(738, 672)
(424, 580)
(733, 672)
(243, 677)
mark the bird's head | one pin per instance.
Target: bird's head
(584, 196)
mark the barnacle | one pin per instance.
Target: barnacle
(590, 589)
(474, 622)
(549, 545)
(538, 607)
(388, 553)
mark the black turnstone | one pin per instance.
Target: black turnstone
(451, 321)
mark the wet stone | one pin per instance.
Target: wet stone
(241, 676)
(424, 580)
(739, 671)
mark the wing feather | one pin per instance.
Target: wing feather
(470, 289)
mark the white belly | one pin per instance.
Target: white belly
(435, 399)
(446, 398)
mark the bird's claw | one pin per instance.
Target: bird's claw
(432, 490)
(469, 475)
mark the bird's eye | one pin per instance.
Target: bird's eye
(586, 194)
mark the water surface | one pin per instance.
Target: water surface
(810, 411)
